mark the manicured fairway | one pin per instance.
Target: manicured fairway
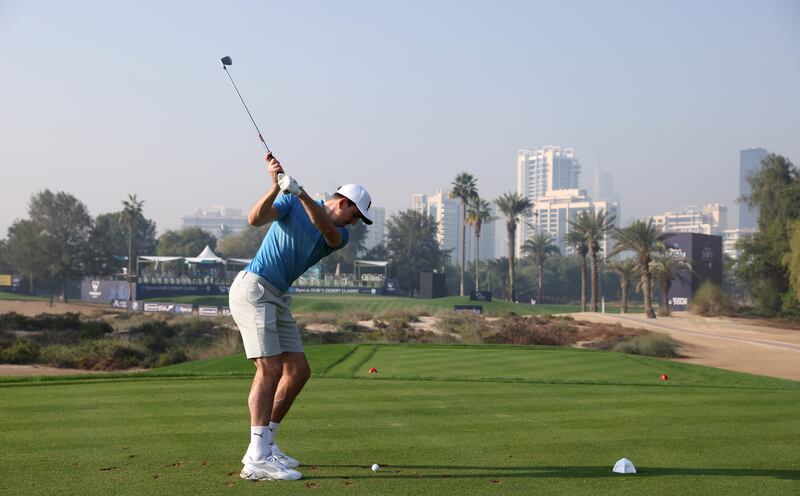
(440, 420)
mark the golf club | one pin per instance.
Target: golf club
(226, 61)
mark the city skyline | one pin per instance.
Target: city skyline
(399, 98)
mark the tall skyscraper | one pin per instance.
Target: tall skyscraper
(749, 162)
(377, 231)
(419, 203)
(546, 169)
(555, 210)
(447, 214)
(539, 173)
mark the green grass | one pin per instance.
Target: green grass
(5, 295)
(338, 303)
(439, 419)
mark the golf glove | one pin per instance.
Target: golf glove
(288, 185)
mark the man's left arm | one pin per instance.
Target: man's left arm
(321, 220)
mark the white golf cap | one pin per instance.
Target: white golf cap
(358, 195)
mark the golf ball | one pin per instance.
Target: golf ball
(375, 467)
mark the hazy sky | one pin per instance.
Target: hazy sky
(101, 99)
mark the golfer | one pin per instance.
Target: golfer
(303, 232)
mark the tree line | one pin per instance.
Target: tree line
(60, 241)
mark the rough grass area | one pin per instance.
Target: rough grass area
(655, 345)
(70, 341)
(444, 420)
(711, 301)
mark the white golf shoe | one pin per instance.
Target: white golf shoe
(284, 458)
(270, 469)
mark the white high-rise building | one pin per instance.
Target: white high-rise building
(711, 219)
(542, 171)
(732, 236)
(447, 214)
(419, 203)
(216, 220)
(554, 211)
(377, 231)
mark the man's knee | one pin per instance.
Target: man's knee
(296, 366)
(269, 366)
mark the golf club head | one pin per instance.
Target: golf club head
(226, 61)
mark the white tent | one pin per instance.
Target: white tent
(207, 256)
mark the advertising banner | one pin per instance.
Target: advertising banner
(183, 308)
(705, 254)
(103, 290)
(317, 290)
(206, 311)
(144, 291)
(476, 309)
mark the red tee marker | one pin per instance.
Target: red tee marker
(373, 370)
(664, 377)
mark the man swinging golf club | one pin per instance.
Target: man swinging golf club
(303, 232)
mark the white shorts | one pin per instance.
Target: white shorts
(262, 314)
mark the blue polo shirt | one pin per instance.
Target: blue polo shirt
(291, 245)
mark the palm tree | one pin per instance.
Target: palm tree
(577, 239)
(667, 267)
(464, 188)
(131, 211)
(497, 266)
(513, 205)
(478, 213)
(626, 269)
(540, 247)
(593, 228)
(644, 239)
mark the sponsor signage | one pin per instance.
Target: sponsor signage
(177, 308)
(5, 280)
(103, 290)
(206, 311)
(476, 309)
(306, 289)
(705, 254)
(225, 311)
(167, 290)
(183, 308)
(480, 296)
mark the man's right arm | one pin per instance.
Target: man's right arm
(262, 211)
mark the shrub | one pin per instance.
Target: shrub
(171, 357)
(711, 301)
(20, 351)
(95, 329)
(533, 330)
(59, 355)
(655, 345)
(13, 321)
(472, 328)
(110, 354)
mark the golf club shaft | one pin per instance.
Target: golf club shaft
(246, 109)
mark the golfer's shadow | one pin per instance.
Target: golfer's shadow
(510, 472)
